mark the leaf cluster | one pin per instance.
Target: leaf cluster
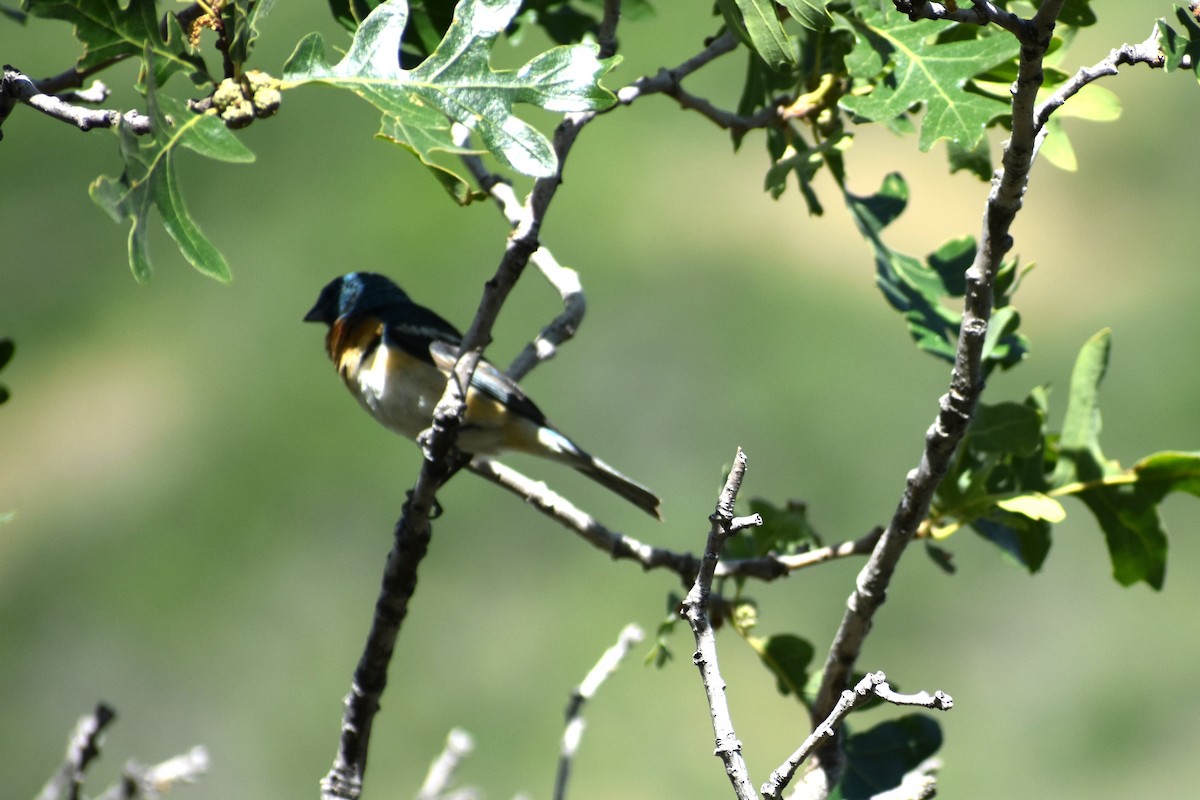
(1011, 471)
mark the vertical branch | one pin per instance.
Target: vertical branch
(966, 382)
(695, 611)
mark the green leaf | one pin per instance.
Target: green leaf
(1080, 458)
(1056, 147)
(1181, 48)
(1009, 428)
(457, 83)
(766, 32)
(1169, 471)
(150, 181)
(1126, 511)
(788, 658)
(111, 30)
(1024, 540)
(879, 758)
(905, 65)
(976, 160)
(812, 14)
(916, 288)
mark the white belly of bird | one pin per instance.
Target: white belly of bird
(405, 407)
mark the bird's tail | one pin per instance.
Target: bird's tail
(614, 481)
(562, 449)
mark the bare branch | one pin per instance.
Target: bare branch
(611, 659)
(150, 782)
(15, 87)
(82, 749)
(1148, 52)
(459, 745)
(623, 547)
(981, 12)
(875, 684)
(695, 611)
(669, 82)
(156, 780)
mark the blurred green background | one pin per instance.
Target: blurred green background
(202, 511)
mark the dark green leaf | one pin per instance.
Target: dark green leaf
(907, 66)
(788, 657)
(785, 530)
(457, 83)
(351, 13)
(1010, 428)
(1181, 47)
(766, 33)
(943, 558)
(812, 14)
(878, 759)
(976, 160)
(1026, 541)
(110, 30)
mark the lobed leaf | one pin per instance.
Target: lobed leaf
(916, 288)
(456, 84)
(906, 65)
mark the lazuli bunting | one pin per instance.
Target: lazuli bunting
(395, 357)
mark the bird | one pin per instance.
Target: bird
(395, 357)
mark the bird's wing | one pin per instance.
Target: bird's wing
(414, 328)
(488, 380)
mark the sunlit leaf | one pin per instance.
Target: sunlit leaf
(907, 66)
(457, 83)
(1035, 506)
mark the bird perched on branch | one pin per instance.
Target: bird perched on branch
(395, 357)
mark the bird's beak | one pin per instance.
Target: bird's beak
(315, 315)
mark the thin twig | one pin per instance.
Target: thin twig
(873, 684)
(572, 734)
(695, 611)
(156, 780)
(621, 546)
(16, 86)
(1148, 52)
(459, 745)
(669, 82)
(82, 749)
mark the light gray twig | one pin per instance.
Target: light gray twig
(459, 745)
(611, 659)
(623, 547)
(695, 611)
(16, 86)
(1148, 52)
(875, 684)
